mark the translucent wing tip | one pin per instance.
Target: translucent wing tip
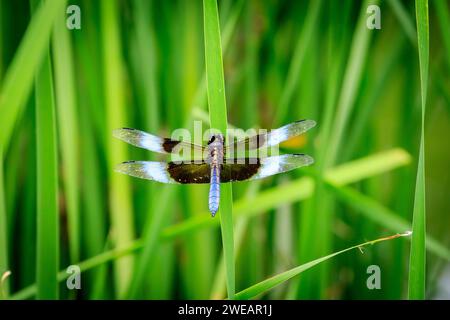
(306, 160)
(123, 167)
(119, 133)
(307, 124)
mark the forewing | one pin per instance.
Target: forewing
(273, 137)
(154, 143)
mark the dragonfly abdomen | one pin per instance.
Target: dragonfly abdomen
(214, 190)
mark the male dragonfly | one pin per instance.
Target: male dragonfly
(215, 167)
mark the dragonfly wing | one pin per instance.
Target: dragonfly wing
(288, 131)
(283, 163)
(150, 170)
(154, 143)
(239, 169)
(255, 168)
(272, 138)
(190, 172)
(167, 172)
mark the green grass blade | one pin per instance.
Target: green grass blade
(214, 67)
(85, 265)
(317, 218)
(152, 228)
(92, 125)
(19, 76)
(314, 230)
(370, 208)
(351, 81)
(120, 205)
(11, 182)
(299, 189)
(145, 39)
(443, 14)
(250, 116)
(47, 184)
(141, 64)
(297, 61)
(4, 286)
(417, 270)
(2, 9)
(404, 19)
(89, 55)
(370, 100)
(218, 290)
(93, 208)
(218, 119)
(278, 279)
(383, 216)
(228, 31)
(93, 262)
(27, 230)
(68, 129)
(146, 62)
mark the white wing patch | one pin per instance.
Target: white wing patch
(150, 170)
(140, 139)
(288, 131)
(283, 163)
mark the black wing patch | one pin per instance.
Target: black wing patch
(239, 170)
(189, 172)
(193, 172)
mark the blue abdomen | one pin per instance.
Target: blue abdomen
(214, 191)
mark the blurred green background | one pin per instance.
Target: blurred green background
(141, 64)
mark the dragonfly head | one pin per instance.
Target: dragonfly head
(216, 139)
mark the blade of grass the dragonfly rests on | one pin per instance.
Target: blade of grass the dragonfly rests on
(218, 118)
(218, 290)
(200, 97)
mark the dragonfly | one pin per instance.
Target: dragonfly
(214, 167)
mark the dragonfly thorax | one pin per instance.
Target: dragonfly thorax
(216, 149)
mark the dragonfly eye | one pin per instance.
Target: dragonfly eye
(211, 140)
